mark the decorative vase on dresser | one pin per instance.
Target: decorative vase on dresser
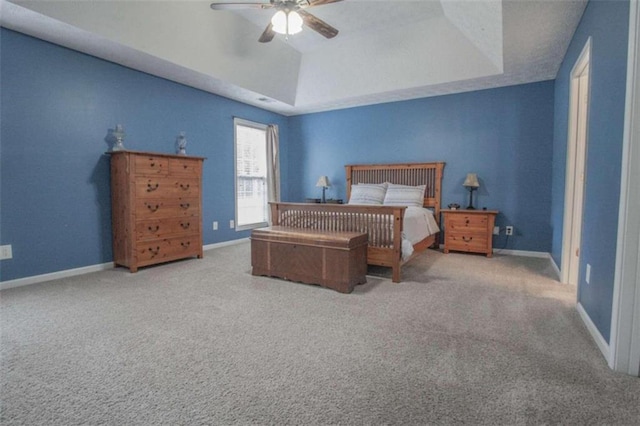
(156, 207)
(469, 230)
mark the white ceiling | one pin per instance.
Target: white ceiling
(387, 50)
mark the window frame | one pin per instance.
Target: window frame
(259, 126)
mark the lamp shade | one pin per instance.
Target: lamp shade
(471, 181)
(287, 22)
(323, 182)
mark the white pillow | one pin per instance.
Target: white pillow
(402, 195)
(364, 193)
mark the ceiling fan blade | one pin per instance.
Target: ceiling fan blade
(237, 5)
(318, 25)
(268, 34)
(320, 2)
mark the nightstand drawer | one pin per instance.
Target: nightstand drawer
(461, 222)
(467, 242)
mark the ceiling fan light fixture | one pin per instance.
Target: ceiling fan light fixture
(287, 23)
(295, 22)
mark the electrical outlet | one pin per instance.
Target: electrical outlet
(496, 230)
(232, 224)
(6, 252)
(215, 226)
(509, 230)
(587, 278)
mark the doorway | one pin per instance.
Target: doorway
(576, 163)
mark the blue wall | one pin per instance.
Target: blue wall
(505, 135)
(607, 22)
(57, 106)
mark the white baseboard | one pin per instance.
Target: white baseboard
(226, 243)
(526, 253)
(89, 269)
(595, 333)
(55, 275)
(555, 267)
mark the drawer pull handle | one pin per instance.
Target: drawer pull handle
(186, 245)
(152, 164)
(154, 252)
(184, 166)
(185, 205)
(151, 228)
(467, 222)
(185, 225)
(153, 209)
(185, 187)
(466, 240)
(151, 188)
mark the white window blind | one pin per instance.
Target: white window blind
(251, 174)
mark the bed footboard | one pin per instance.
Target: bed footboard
(382, 224)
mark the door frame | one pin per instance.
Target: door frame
(625, 316)
(572, 207)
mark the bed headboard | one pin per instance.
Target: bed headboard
(429, 174)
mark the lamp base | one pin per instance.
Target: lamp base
(470, 206)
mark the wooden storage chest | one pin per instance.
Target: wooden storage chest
(337, 260)
(156, 207)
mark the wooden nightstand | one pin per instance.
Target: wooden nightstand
(469, 230)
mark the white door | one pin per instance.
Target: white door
(579, 176)
(576, 162)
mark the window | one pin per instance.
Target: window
(251, 175)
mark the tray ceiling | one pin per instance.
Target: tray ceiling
(386, 50)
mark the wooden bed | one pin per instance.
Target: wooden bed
(383, 224)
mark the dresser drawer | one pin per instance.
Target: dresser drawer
(166, 187)
(155, 251)
(165, 208)
(151, 165)
(170, 227)
(184, 166)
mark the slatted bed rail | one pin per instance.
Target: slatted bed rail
(382, 224)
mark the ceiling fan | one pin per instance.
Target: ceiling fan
(289, 17)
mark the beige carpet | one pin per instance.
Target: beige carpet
(464, 339)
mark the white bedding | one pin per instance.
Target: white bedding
(418, 224)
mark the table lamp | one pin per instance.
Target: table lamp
(324, 183)
(472, 184)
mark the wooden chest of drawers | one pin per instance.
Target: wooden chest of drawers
(156, 208)
(337, 260)
(469, 230)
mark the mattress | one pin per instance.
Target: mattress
(418, 224)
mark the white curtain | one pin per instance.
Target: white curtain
(273, 169)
